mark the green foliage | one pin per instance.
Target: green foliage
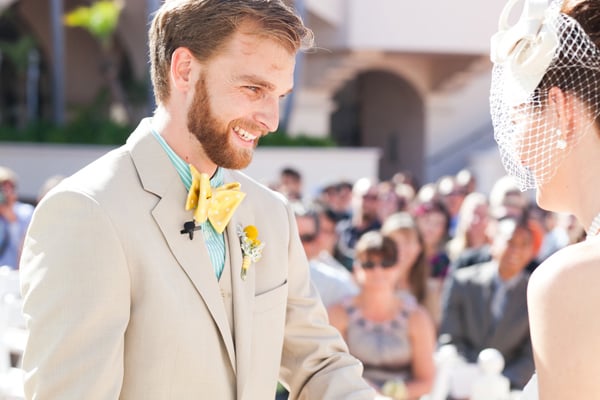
(100, 19)
(18, 52)
(282, 139)
(86, 129)
(91, 128)
(92, 125)
(280, 388)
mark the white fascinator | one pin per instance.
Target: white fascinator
(526, 49)
(543, 49)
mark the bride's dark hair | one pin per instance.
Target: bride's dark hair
(587, 13)
(581, 77)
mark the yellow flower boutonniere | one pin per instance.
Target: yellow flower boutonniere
(252, 247)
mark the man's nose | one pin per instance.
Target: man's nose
(268, 116)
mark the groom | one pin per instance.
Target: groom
(135, 289)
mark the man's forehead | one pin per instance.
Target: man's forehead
(263, 59)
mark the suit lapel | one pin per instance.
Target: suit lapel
(192, 256)
(515, 308)
(243, 291)
(159, 176)
(487, 273)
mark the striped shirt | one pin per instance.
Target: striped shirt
(215, 242)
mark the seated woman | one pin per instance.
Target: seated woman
(414, 276)
(433, 221)
(471, 234)
(392, 335)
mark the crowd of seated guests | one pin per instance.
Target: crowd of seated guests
(454, 247)
(415, 277)
(386, 328)
(14, 219)
(485, 305)
(333, 281)
(452, 195)
(471, 233)
(403, 268)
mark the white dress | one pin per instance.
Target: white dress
(530, 392)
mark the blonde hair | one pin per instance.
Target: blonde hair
(460, 241)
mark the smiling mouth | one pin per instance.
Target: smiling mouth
(244, 134)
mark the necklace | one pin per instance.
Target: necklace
(594, 227)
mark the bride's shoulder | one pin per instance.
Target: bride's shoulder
(569, 270)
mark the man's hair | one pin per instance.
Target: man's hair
(203, 26)
(291, 172)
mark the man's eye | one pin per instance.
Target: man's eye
(254, 89)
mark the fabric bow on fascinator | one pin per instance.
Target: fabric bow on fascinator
(525, 50)
(217, 205)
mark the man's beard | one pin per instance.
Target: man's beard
(213, 136)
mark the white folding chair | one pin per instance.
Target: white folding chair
(13, 335)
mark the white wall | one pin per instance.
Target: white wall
(328, 10)
(436, 26)
(36, 163)
(487, 167)
(448, 113)
(317, 165)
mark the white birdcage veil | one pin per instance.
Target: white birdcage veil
(545, 48)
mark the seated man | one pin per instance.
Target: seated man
(14, 219)
(485, 305)
(333, 284)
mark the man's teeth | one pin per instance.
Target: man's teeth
(244, 134)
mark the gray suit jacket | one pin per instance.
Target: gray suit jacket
(467, 320)
(121, 305)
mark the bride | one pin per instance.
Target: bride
(545, 104)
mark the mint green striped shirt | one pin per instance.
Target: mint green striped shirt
(215, 242)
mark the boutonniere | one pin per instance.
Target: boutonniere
(252, 247)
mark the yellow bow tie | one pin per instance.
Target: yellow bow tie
(216, 205)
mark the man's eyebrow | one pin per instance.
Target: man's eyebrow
(258, 81)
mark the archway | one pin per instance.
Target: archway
(383, 110)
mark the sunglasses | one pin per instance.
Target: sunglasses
(308, 237)
(382, 264)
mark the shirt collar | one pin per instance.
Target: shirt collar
(182, 167)
(511, 283)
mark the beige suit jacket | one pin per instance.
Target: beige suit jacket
(121, 305)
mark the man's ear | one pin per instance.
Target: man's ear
(182, 63)
(561, 107)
